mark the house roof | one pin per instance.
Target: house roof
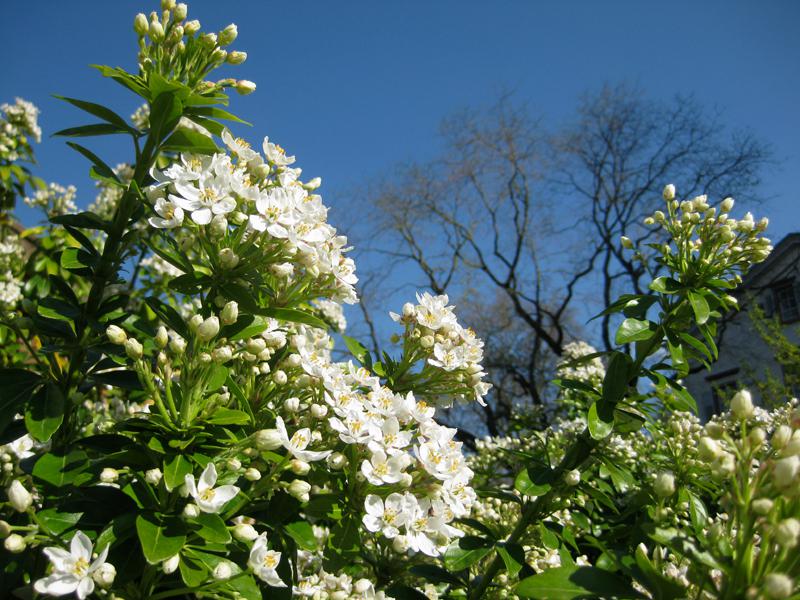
(789, 242)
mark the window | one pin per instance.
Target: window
(786, 302)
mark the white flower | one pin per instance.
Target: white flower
(385, 516)
(298, 443)
(380, 469)
(72, 571)
(276, 155)
(264, 561)
(209, 498)
(170, 214)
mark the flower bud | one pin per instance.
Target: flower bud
(664, 485)
(180, 12)
(133, 349)
(222, 571)
(300, 489)
(252, 474)
(256, 345)
(669, 192)
(792, 447)
(177, 345)
(162, 339)
(140, 25)
(15, 543)
(230, 313)
(209, 40)
(208, 329)
(218, 226)
(336, 461)
(222, 354)
(228, 35)
(236, 57)
(299, 467)
(292, 404)
(787, 533)
(268, 439)
(279, 377)
(153, 476)
(786, 470)
(626, 242)
(116, 335)
(5, 529)
(195, 322)
(245, 87)
(156, 31)
(707, 448)
(778, 586)
(18, 496)
(742, 405)
(191, 27)
(319, 411)
(573, 477)
(104, 575)
(400, 544)
(726, 205)
(109, 475)
(191, 511)
(170, 565)
(762, 506)
(228, 259)
(245, 533)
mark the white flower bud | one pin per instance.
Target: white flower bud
(664, 485)
(5, 529)
(228, 259)
(572, 477)
(233, 464)
(236, 57)
(786, 470)
(252, 474)
(787, 533)
(191, 511)
(156, 31)
(222, 354)
(140, 25)
(218, 226)
(282, 270)
(171, 564)
(405, 479)
(707, 448)
(757, 436)
(208, 329)
(104, 575)
(133, 349)
(723, 466)
(336, 461)
(256, 345)
(292, 404)
(228, 35)
(230, 313)
(195, 322)
(191, 27)
(177, 345)
(245, 533)
(245, 87)
(116, 335)
(15, 543)
(626, 242)
(300, 489)
(792, 447)
(669, 192)
(153, 476)
(222, 571)
(778, 586)
(762, 506)
(109, 475)
(299, 467)
(162, 339)
(400, 544)
(319, 411)
(279, 377)
(742, 405)
(18, 496)
(268, 439)
(726, 205)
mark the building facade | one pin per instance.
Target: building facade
(744, 356)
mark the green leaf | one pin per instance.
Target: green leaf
(568, 583)
(699, 306)
(18, 386)
(193, 572)
(256, 327)
(175, 470)
(165, 112)
(228, 416)
(656, 583)
(358, 350)
(91, 130)
(169, 315)
(55, 522)
(615, 382)
(214, 113)
(97, 110)
(534, 481)
(293, 315)
(161, 538)
(78, 261)
(85, 220)
(301, 532)
(665, 285)
(60, 469)
(45, 412)
(466, 552)
(188, 140)
(212, 528)
(435, 574)
(600, 419)
(634, 330)
(513, 557)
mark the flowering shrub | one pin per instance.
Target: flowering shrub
(175, 425)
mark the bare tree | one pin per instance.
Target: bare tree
(517, 223)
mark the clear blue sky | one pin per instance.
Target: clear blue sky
(353, 87)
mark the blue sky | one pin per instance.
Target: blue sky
(353, 87)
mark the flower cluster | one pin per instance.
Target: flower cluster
(11, 263)
(18, 122)
(452, 353)
(54, 200)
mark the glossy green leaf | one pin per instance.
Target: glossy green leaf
(61, 469)
(45, 412)
(534, 481)
(513, 557)
(55, 522)
(293, 315)
(634, 330)
(188, 140)
(212, 528)
(465, 552)
(699, 306)
(568, 583)
(161, 538)
(17, 385)
(302, 533)
(92, 130)
(615, 382)
(98, 110)
(357, 349)
(228, 416)
(176, 468)
(600, 419)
